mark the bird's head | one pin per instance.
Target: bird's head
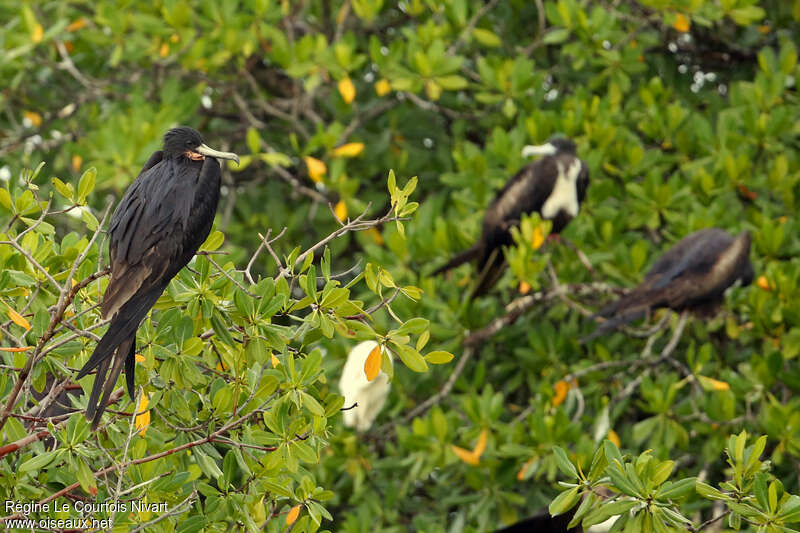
(555, 145)
(184, 140)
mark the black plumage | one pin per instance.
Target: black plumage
(554, 186)
(692, 275)
(163, 218)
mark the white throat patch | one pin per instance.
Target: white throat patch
(564, 195)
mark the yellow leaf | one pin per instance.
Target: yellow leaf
(524, 287)
(18, 319)
(719, 385)
(164, 50)
(174, 38)
(348, 150)
(292, 515)
(681, 23)
(561, 388)
(713, 384)
(613, 437)
(763, 283)
(538, 238)
(482, 440)
(433, 90)
(37, 33)
(143, 418)
(316, 168)
(17, 349)
(340, 210)
(524, 470)
(34, 117)
(140, 358)
(372, 366)
(465, 455)
(77, 25)
(382, 87)
(275, 361)
(375, 235)
(347, 90)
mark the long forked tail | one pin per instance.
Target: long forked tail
(492, 269)
(467, 255)
(105, 380)
(115, 350)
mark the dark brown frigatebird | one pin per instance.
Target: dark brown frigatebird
(691, 276)
(163, 218)
(553, 186)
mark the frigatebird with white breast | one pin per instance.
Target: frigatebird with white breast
(163, 218)
(553, 186)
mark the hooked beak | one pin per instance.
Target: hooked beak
(205, 150)
(542, 149)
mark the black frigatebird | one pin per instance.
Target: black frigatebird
(554, 186)
(164, 217)
(691, 276)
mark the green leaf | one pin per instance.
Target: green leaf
(38, 462)
(253, 140)
(86, 477)
(5, 198)
(486, 37)
(556, 36)
(439, 357)
(677, 489)
(64, 189)
(276, 159)
(86, 184)
(452, 82)
(415, 326)
(564, 464)
(410, 357)
(746, 15)
(607, 510)
(89, 219)
(312, 404)
(564, 501)
(220, 330)
(663, 472)
(213, 242)
(707, 491)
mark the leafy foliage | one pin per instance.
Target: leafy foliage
(686, 113)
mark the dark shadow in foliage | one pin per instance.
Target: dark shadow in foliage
(544, 523)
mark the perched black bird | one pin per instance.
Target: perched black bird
(554, 186)
(693, 275)
(154, 232)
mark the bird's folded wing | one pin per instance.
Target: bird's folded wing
(146, 237)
